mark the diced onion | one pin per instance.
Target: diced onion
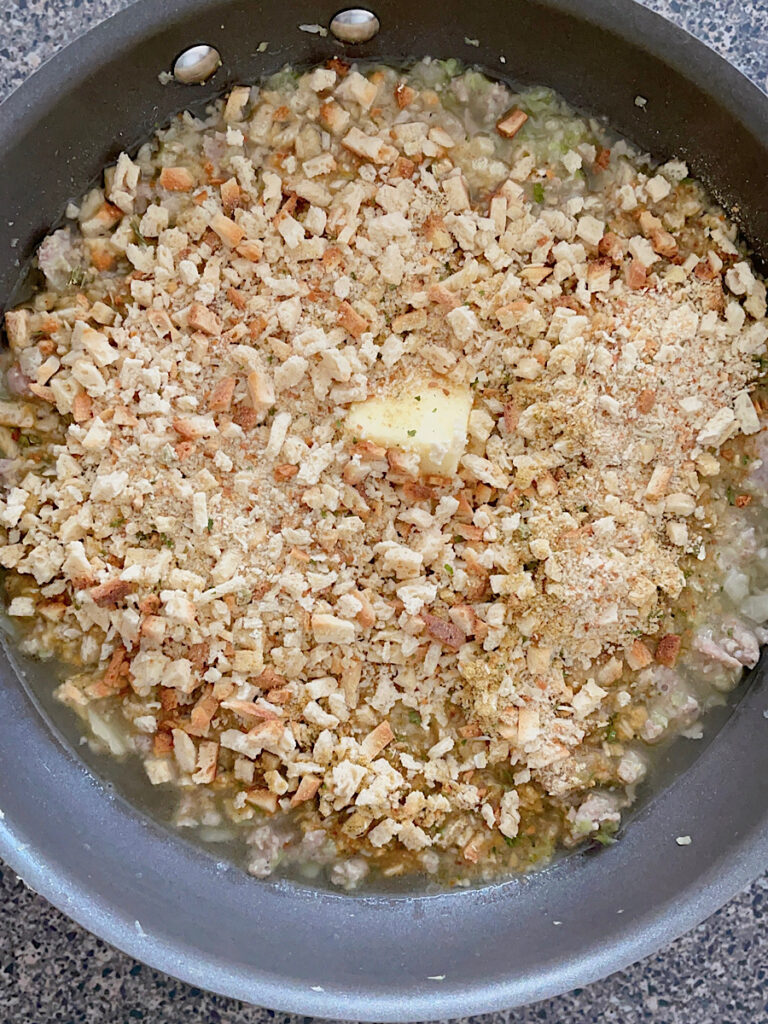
(756, 607)
(107, 733)
(736, 585)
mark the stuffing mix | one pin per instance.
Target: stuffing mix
(382, 467)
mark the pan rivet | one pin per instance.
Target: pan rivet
(355, 25)
(196, 65)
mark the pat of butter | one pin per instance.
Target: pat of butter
(430, 421)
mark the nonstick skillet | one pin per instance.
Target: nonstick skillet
(404, 955)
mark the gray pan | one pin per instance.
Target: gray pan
(87, 847)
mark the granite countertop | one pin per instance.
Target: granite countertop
(53, 970)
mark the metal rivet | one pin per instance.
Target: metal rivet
(355, 25)
(196, 65)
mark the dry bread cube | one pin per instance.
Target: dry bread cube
(658, 188)
(329, 629)
(227, 230)
(357, 88)
(334, 117)
(643, 251)
(456, 193)
(464, 323)
(321, 79)
(679, 504)
(369, 147)
(511, 123)
(17, 328)
(717, 429)
(657, 485)
(177, 179)
(590, 230)
(199, 318)
(237, 101)
(485, 471)
(376, 740)
(746, 414)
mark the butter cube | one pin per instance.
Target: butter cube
(429, 421)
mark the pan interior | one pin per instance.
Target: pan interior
(126, 776)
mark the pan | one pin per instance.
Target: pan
(82, 841)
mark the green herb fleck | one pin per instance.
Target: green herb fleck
(538, 192)
(411, 433)
(77, 276)
(209, 527)
(448, 569)
(730, 495)
(414, 717)
(135, 227)
(604, 837)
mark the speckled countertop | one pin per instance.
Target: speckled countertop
(52, 970)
